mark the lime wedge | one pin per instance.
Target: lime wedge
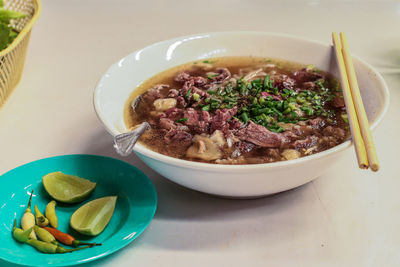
(93, 217)
(67, 188)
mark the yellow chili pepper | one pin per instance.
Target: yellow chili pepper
(51, 213)
(44, 235)
(28, 219)
(40, 219)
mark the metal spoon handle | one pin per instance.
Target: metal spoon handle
(124, 143)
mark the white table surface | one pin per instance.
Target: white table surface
(346, 218)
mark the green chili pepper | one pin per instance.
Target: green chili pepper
(19, 234)
(51, 213)
(44, 235)
(50, 248)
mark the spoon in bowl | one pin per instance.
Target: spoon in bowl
(124, 143)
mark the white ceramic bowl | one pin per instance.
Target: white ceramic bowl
(124, 76)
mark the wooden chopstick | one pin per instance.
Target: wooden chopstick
(359, 106)
(353, 120)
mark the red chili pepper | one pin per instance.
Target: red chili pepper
(67, 239)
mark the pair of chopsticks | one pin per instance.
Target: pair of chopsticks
(359, 125)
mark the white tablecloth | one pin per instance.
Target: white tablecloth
(349, 217)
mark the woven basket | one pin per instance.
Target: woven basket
(13, 57)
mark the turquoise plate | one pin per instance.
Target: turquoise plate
(136, 205)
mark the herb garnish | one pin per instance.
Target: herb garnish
(209, 61)
(211, 76)
(188, 92)
(182, 120)
(263, 103)
(7, 33)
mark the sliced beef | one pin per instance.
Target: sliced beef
(205, 116)
(308, 85)
(200, 92)
(178, 138)
(235, 125)
(309, 141)
(304, 75)
(152, 94)
(245, 147)
(197, 121)
(266, 94)
(335, 132)
(261, 136)
(200, 81)
(182, 77)
(167, 124)
(173, 114)
(303, 130)
(192, 117)
(221, 118)
(189, 80)
(317, 123)
(203, 124)
(282, 81)
(223, 75)
(290, 135)
(338, 101)
(181, 102)
(186, 87)
(173, 93)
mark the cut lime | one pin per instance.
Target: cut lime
(93, 217)
(67, 188)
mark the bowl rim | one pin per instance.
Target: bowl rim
(141, 149)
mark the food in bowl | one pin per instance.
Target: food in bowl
(240, 110)
(233, 180)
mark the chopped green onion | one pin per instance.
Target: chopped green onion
(211, 76)
(196, 97)
(292, 106)
(188, 92)
(300, 100)
(308, 110)
(268, 82)
(245, 117)
(345, 117)
(206, 108)
(182, 120)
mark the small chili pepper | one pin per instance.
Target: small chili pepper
(67, 239)
(44, 235)
(40, 219)
(19, 234)
(50, 248)
(51, 213)
(28, 219)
